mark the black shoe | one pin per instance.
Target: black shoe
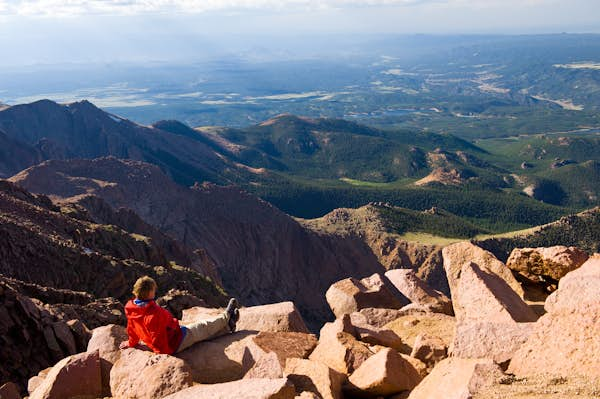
(233, 313)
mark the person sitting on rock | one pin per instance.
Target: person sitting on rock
(156, 327)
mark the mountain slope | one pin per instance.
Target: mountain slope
(44, 245)
(15, 156)
(333, 148)
(290, 161)
(261, 254)
(81, 130)
(581, 230)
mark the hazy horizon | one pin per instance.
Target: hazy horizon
(78, 31)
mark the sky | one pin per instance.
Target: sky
(55, 31)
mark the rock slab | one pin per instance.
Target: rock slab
(456, 255)
(258, 388)
(482, 295)
(455, 378)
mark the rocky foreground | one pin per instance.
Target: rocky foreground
(393, 337)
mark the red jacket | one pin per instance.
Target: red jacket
(154, 325)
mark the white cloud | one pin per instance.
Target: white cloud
(135, 7)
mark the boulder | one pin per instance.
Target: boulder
(223, 359)
(283, 316)
(342, 324)
(540, 263)
(106, 340)
(456, 255)
(497, 341)
(564, 341)
(267, 366)
(385, 373)
(315, 377)
(482, 295)
(455, 378)
(343, 353)
(578, 292)
(418, 292)
(256, 388)
(429, 349)
(374, 335)
(351, 295)
(286, 344)
(75, 376)
(275, 317)
(280, 346)
(417, 364)
(143, 374)
(9, 391)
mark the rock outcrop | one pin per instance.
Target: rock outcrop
(51, 250)
(564, 340)
(492, 320)
(33, 336)
(369, 226)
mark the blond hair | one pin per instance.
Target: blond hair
(143, 286)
